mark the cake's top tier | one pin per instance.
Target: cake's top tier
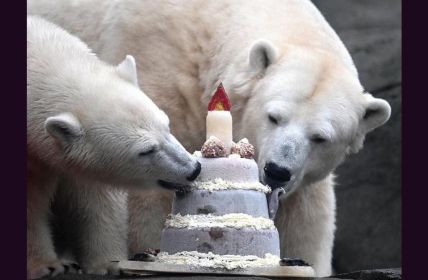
(230, 169)
(224, 186)
(227, 174)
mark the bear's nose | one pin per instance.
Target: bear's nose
(196, 172)
(276, 172)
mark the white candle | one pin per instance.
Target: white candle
(219, 119)
(219, 124)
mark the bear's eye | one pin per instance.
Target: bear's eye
(318, 139)
(148, 152)
(273, 119)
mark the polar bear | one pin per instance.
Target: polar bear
(90, 129)
(293, 85)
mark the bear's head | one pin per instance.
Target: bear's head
(115, 133)
(304, 109)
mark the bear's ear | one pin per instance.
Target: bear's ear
(376, 112)
(64, 127)
(127, 69)
(262, 54)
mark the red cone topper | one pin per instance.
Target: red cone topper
(219, 101)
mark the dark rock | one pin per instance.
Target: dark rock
(369, 183)
(361, 14)
(376, 274)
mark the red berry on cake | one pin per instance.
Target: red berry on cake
(213, 148)
(243, 148)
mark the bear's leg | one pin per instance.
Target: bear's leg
(306, 223)
(41, 257)
(148, 210)
(100, 225)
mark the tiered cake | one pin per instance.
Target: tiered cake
(224, 218)
(222, 223)
(226, 213)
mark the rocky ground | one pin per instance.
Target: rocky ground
(369, 183)
(380, 274)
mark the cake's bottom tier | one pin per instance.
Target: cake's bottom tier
(221, 241)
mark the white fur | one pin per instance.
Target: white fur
(275, 57)
(90, 132)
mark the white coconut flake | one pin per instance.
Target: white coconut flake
(234, 220)
(219, 184)
(210, 260)
(244, 140)
(197, 154)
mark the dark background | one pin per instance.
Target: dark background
(369, 184)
